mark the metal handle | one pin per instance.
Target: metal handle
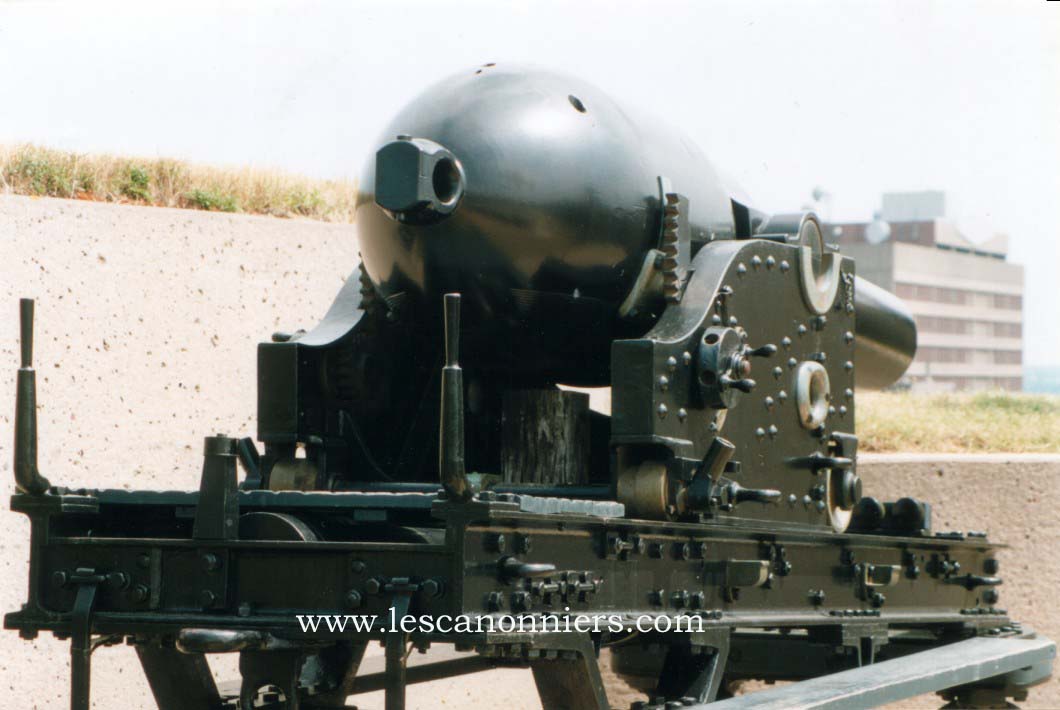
(25, 313)
(767, 350)
(745, 385)
(738, 494)
(513, 567)
(451, 466)
(27, 477)
(971, 581)
(452, 329)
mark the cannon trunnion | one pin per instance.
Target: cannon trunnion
(430, 476)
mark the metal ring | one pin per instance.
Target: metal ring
(837, 516)
(811, 394)
(820, 282)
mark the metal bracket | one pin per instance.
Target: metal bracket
(217, 513)
(396, 644)
(870, 578)
(706, 655)
(81, 646)
(570, 679)
(278, 668)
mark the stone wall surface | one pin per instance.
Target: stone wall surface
(147, 322)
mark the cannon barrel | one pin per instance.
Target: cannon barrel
(540, 200)
(886, 336)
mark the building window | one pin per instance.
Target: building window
(949, 326)
(1007, 357)
(942, 355)
(935, 294)
(1008, 302)
(1008, 330)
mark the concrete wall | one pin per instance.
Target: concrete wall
(147, 324)
(1015, 499)
(148, 320)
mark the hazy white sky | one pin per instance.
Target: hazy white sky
(858, 97)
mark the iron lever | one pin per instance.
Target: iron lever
(27, 478)
(512, 567)
(819, 461)
(767, 350)
(738, 494)
(744, 385)
(451, 465)
(971, 581)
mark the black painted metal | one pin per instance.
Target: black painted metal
(560, 203)
(178, 680)
(27, 477)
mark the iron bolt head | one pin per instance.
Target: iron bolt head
(372, 586)
(207, 598)
(521, 601)
(496, 542)
(353, 599)
(522, 544)
(117, 580)
(431, 587)
(210, 563)
(140, 593)
(495, 601)
(357, 566)
(59, 579)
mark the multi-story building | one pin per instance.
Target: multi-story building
(967, 298)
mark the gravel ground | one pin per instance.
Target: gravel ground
(147, 321)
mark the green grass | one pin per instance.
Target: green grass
(950, 423)
(44, 172)
(209, 200)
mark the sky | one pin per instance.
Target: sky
(856, 98)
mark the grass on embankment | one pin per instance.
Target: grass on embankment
(44, 172)
(958, 423)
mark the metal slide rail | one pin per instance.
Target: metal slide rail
(1027, 657)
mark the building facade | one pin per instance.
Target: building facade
(967, 298)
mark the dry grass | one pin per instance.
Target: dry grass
(33, 170)
(971, 423)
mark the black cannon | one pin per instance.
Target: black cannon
(427, 453)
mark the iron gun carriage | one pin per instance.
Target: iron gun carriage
(427, 451)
